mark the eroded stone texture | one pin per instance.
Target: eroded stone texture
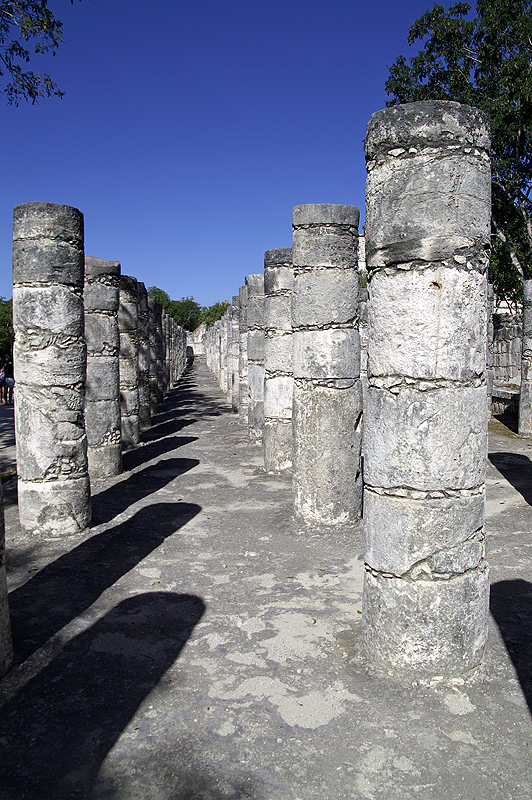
(225, 323)
(129, 360)
(243, 396)
(278, 370)
(427, 239)
(525, 397)
(102, 405)
(6, 645)
(143, 357)
(50, 369)
(234, 383)
(159, 350)
(255, 356)
(327, 404)
(152, 333)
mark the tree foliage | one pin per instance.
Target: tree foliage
(187, 312)
(210, 314)
(160, 295)
(26, 24)
(485, 62)
(7, 335)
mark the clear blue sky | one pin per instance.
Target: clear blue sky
(189, 130)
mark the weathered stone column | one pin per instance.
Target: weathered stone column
(255, 355)
(525, 396)
(143, 357)
(129, 361)
(224, 350)
(6, 646)
(278, 371)
(50, 367)
(235, 353)
(228, 317)
(425, 606)
(152, 333)
(327, 411)
(243, 396)
(166, 350)
(489, 344)
(159, 348)
(102, 404)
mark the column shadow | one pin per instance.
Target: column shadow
(511, 607)
(58, 728)
(517, 469)
(134, 458)
(64, 589)
(160, 429)
(110, 502)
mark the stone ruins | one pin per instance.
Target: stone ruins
(94, 356)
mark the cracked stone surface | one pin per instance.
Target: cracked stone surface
(426, 415)
(50, 367)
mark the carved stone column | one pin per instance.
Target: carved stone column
(427, 239)
(327, 413)
(102, 400)
(278, 370)
(50, 368)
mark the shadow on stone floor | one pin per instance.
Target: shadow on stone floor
(517, 469)
(186, 393)
(178, 774)
(56, 731)
(511, 607)
(173, 425)
(139, 455)
(509, 421)
(69, 585)
(117, 498)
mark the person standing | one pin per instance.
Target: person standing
(9, 381)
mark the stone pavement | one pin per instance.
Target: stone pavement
(199, 644)
(8, 457)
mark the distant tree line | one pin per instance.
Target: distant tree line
(187, 312)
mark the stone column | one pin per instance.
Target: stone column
(255, 355)
(152, 333)
(159, 348)
(6, 646)
(50, 367)
(489, 343)
(167, 351)
(278, 371)
(243, 396)
(102, 403)
(218, 350)
(224, 352)
(525, 397)
(425, 606)
(235, 353)
(143, 357)
(327, 411)
(129, 361)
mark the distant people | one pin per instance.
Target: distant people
(9, 380)
(3, 393)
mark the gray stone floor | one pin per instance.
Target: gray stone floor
(198, 645)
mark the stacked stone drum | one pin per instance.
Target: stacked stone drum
(327, 411)
(50, 366)
(427, 240)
